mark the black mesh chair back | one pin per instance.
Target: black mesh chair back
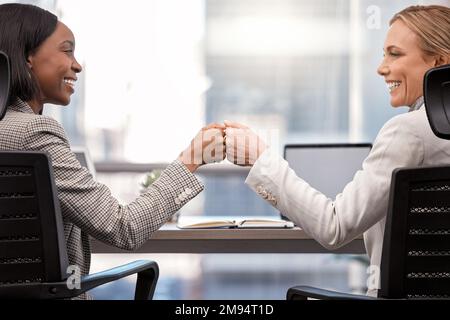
(32, 247)
(5, 74)
(416, 248)
(436, 87)
(33, 254)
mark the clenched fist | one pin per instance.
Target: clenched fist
(243, 146)
(208, 146)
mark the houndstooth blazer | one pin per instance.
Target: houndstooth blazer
(87, 206)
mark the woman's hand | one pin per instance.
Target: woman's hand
(243, 146)
(208, 146)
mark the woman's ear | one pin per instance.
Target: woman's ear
(30, 61)
(441, 60)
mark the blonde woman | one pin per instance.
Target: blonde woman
(418, 39)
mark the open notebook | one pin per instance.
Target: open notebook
(231, 222)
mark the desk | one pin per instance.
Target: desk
(170, 239)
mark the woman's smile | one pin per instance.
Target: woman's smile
(70, 83)
(392, 85)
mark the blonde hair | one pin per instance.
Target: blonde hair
(432, 26)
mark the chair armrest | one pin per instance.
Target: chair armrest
(147, 277)
(147, 271)
(305, 292)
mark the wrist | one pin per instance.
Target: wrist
(261, 148)
(190, 166)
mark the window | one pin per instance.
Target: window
(306, 68)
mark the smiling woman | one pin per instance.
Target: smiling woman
(54, 64)
(404, 141)
(44, 68)
(414, 44)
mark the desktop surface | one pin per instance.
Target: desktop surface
(170, 239)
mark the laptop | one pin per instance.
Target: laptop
(327, 167)
(82, 155)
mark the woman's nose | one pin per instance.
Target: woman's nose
(383, 69)
(76, 66)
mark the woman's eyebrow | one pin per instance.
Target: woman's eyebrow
(393, 47)
(71, 43)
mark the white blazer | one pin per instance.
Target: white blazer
(404, 141)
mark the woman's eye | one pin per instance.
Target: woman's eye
(394, 54)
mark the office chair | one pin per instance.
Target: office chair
(436, 87)
(5, 76)
(415, 261)
(33, 255)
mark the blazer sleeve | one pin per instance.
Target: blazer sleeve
(362, 203)
(90, 205)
